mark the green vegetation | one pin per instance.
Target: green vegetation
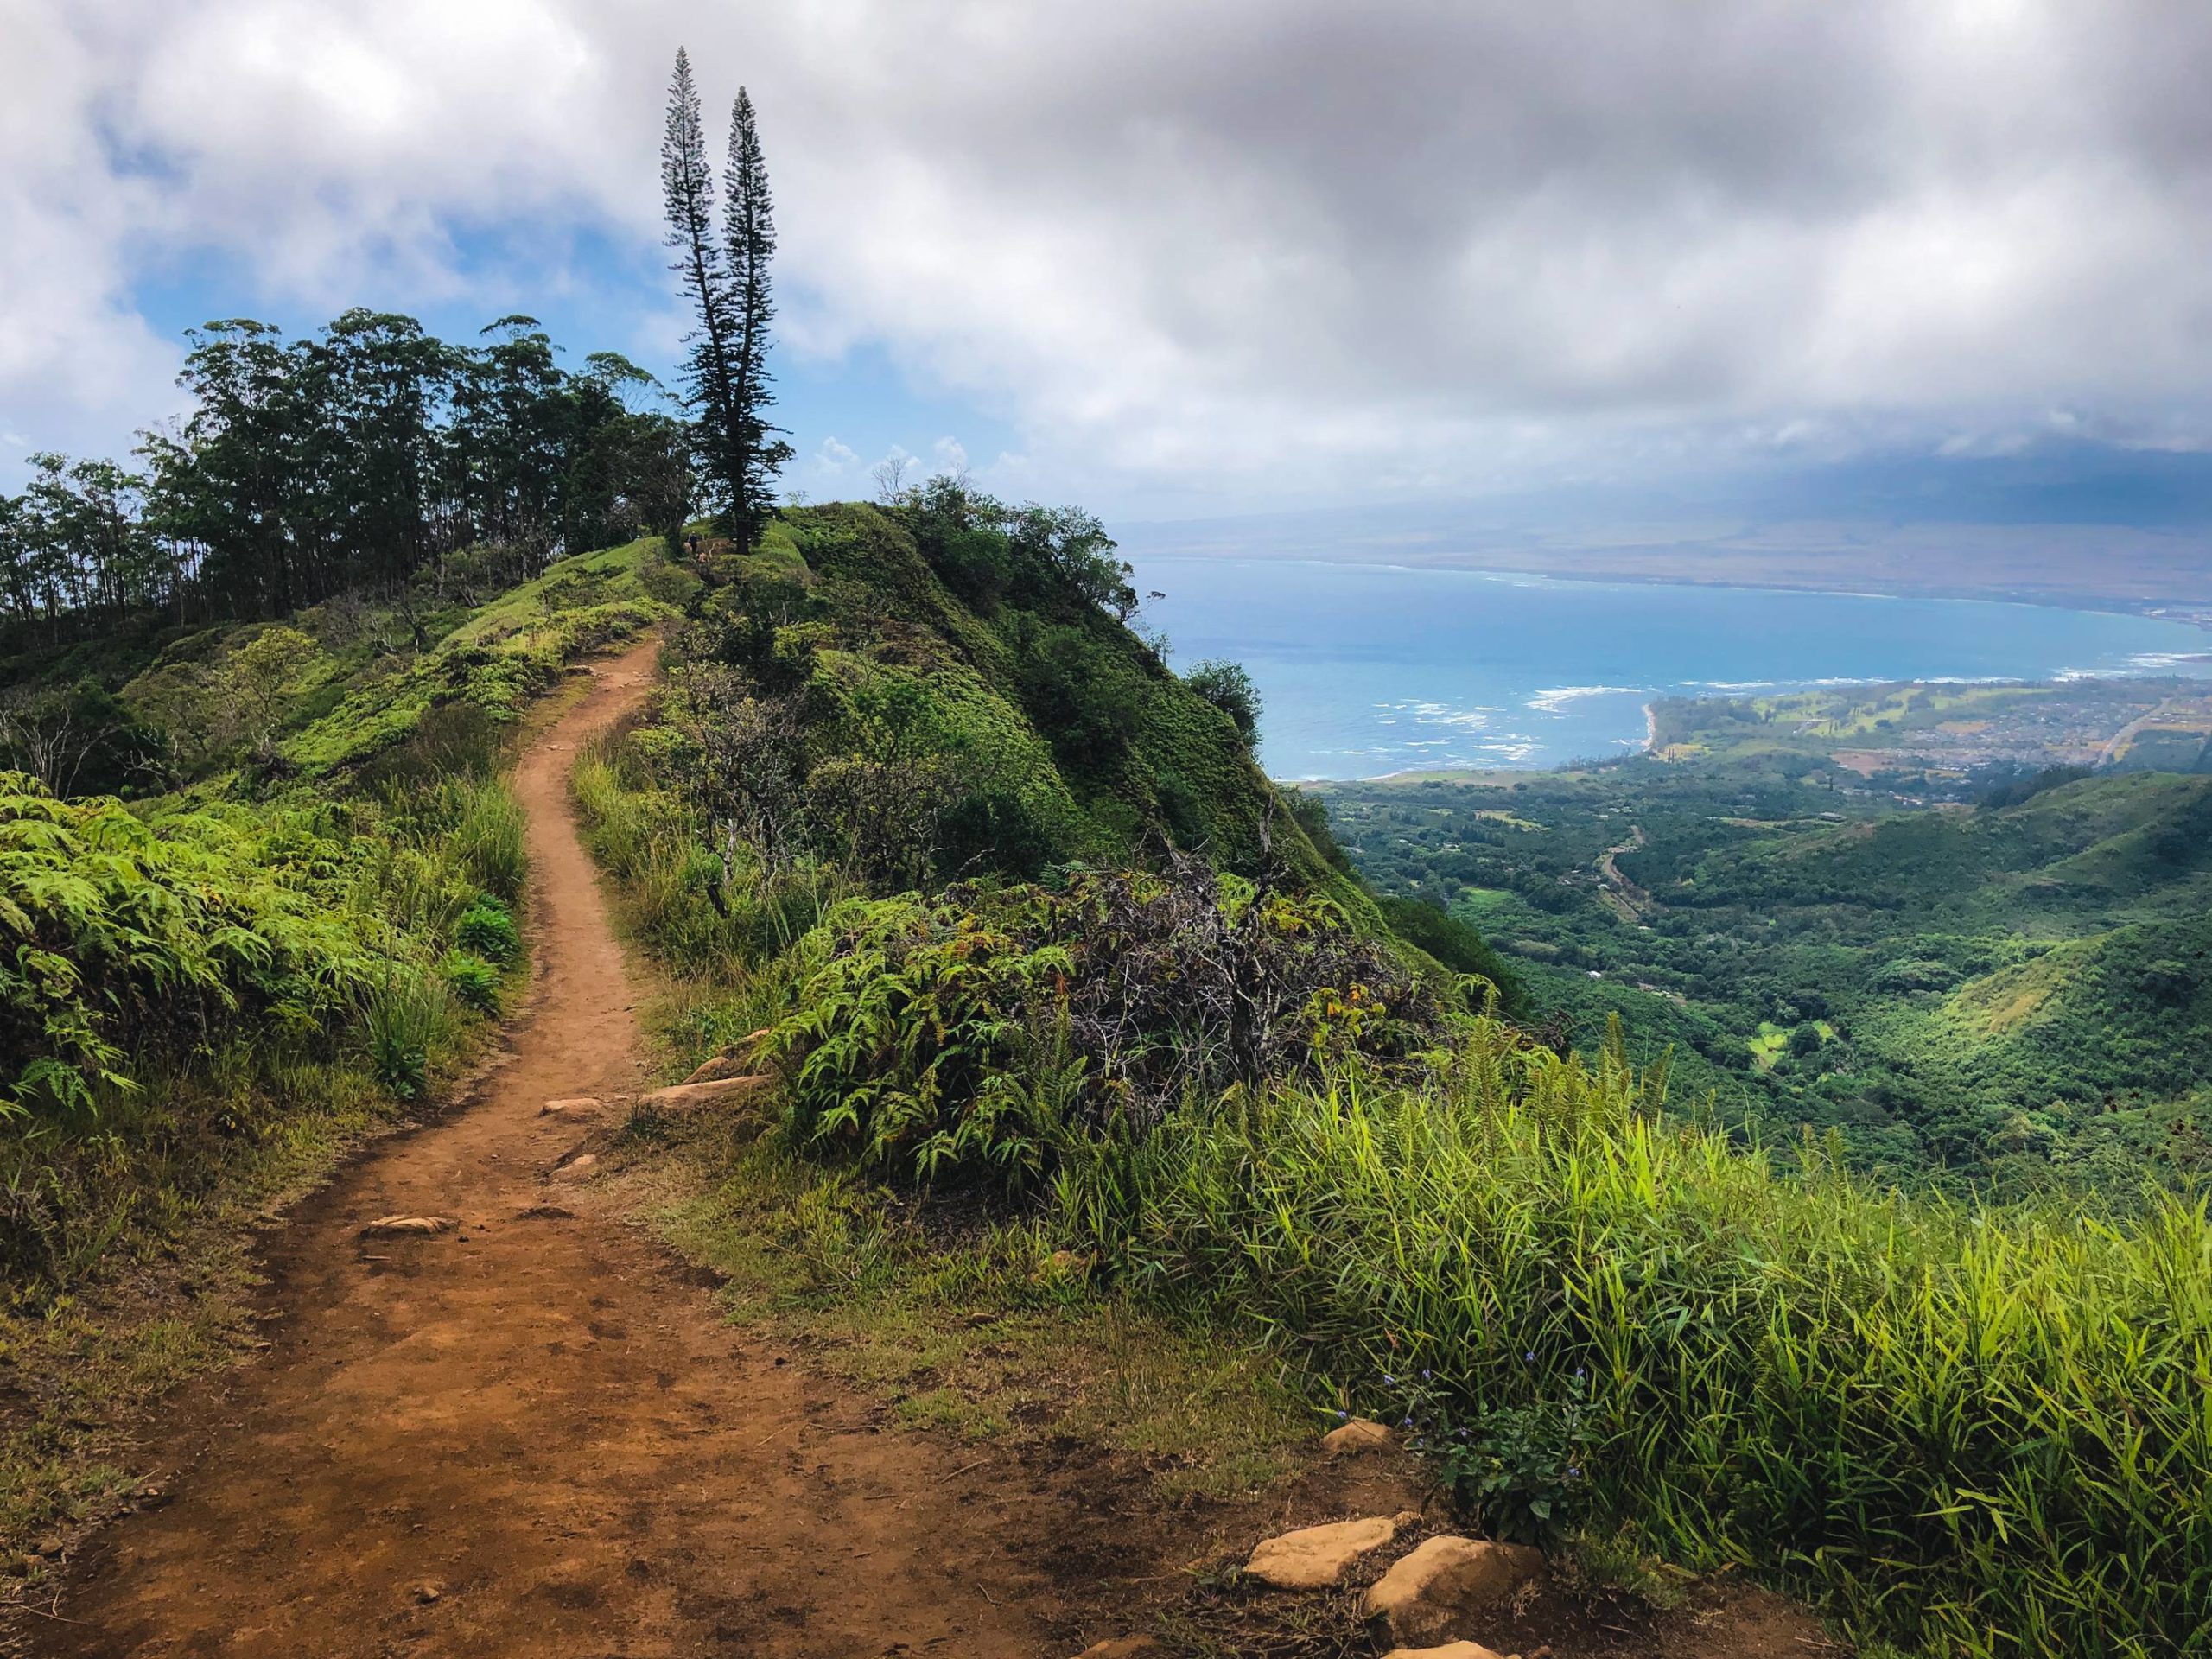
(1962, 1427)
(371, 459)
(2015, 995)
(207, 992)
(942, 691)
(1971, 1430)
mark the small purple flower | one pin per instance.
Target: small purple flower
(1530, 1356)
(1428, 1376)
(1408, 1423)
(1391, 1380)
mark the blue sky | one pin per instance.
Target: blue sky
(1940, 256)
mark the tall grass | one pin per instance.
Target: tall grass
(1988, 1432)
(404, 1021)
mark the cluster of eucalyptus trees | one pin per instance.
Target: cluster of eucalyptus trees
(359, 459)
(364, 457)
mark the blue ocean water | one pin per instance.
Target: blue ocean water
(1369, 669)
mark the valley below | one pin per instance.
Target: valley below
(1959, 928)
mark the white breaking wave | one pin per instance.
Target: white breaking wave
(1552, 702)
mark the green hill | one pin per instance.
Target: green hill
(999, 651)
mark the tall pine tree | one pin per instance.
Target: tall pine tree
(687, 181)
(749, 228)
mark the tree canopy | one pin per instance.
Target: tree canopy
(357, 458)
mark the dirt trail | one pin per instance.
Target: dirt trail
(536, 1436)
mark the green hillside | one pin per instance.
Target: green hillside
(1043, 970)
(997, 651)
(916, 764)
(906, 831)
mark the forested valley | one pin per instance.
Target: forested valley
(2008, 993)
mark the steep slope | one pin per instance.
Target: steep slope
(1072, 738)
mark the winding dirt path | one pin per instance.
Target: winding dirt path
(536, 1436)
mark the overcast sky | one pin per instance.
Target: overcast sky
(1177, 258)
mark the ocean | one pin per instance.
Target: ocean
(1367, 668)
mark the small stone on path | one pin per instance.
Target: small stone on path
(1427, 1593)
(1351, 1439)
(405, 1226)
(578, 1167)
(1449, 1650)
(1125, 1647)
(428, 1592)
(1313, 1558)
(571, 1106)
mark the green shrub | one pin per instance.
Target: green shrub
(487, 929)
(963, 1030)
(1229, 689)
(474, 979)
(406, 1019)
(128, 941)
(488, 839)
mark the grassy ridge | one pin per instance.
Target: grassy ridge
(1964, 1428)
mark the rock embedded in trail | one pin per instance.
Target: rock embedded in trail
(572, 1106)
(578, 1167)
(1314, 1558)
(719, 1069)
(1125, 1647)
(1351, 1439)
(1449, 1650)
(1423, 1596)
(716, 1091)
(407, 1226)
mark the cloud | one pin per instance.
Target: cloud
(834, 457)
(1263, 246)
(950, 455)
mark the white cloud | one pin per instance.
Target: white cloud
(1261, 245)
(950, 455)
(834, 457)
